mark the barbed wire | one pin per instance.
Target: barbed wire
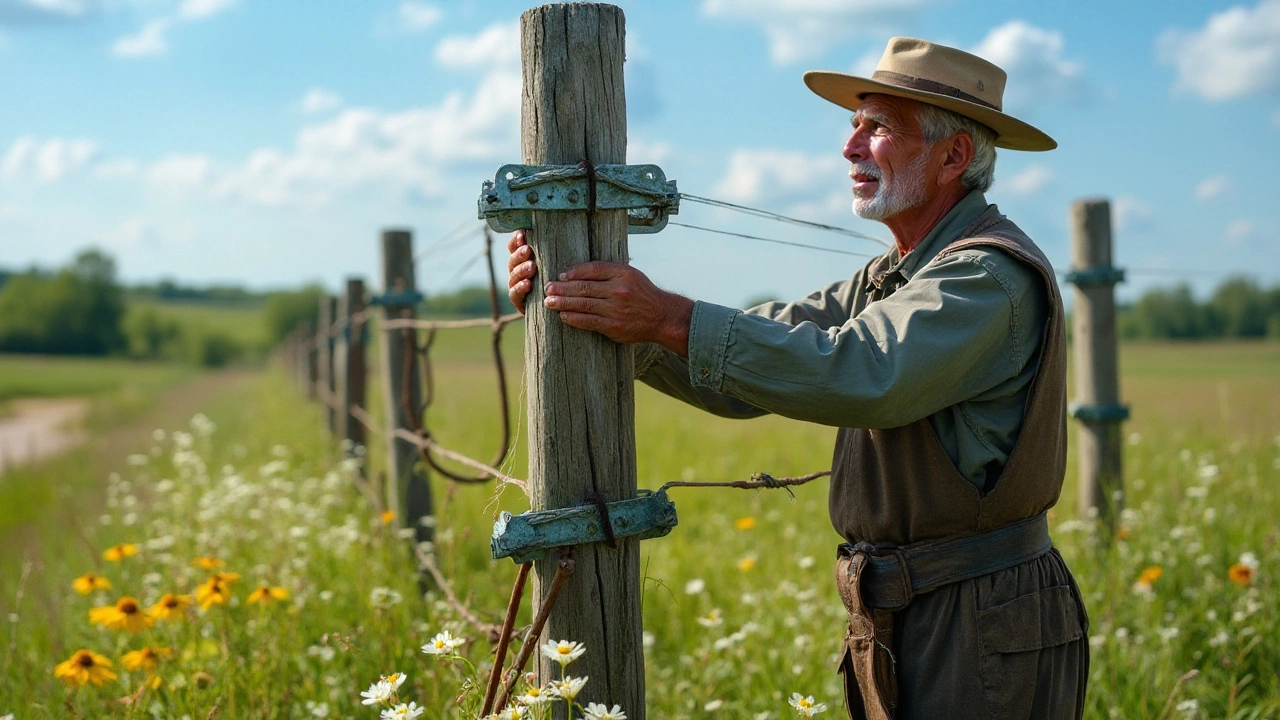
(769, 240)
(770, 215)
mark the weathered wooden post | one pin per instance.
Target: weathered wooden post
(580, 391)
(312, 350)
(408, 491)
(1097, 405)
(352, 363)
(299, 357)
(324, 348)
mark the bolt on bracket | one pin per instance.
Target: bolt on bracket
(532, 535)
(508, 202)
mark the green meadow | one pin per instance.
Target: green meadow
(739, 609)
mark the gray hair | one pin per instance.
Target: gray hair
(938, 124)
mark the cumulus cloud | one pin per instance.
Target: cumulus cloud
(1033, 57)
(418, 16)
(48, 160)
(1239, 231)
(802, 29)
(1236, 53)
(1031, 179)
(495, 46)
(318, 100)
(776, 176)
(147, 42)
(200, 9)
(181, 172)
(1130, 213)
(117, 168)
(1211, 187)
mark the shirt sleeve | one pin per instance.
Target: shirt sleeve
(947, 335)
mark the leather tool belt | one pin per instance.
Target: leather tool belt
(876, 581)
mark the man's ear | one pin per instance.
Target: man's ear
(958, 156)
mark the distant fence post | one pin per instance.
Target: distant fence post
(301, 357)
(1097, 406)
(312, 350)
(324, 362)
(581, 421)
(408, 491)
(352, 362)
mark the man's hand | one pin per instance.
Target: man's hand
(612, 299)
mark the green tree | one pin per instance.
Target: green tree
(1166, 314)
(76, 312)
(287, 311)
(1239, 308)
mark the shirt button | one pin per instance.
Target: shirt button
(704, 372)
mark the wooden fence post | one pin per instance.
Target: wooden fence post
(1097, 404)
(352, 363)
(312, 350)
(324, 349)
(580, 385)
(408, 491)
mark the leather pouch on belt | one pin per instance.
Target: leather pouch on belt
(866, 647)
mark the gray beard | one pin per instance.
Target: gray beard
(905, 192)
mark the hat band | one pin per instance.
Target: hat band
(914, 83)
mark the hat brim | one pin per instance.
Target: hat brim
(847, 91)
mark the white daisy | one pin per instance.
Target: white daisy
(402, 712)
(443, 643)
(596, 711)
(563, 651)
(806, 706)
(377, 694)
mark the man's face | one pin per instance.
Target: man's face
(889, 161)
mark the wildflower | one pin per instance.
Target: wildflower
(116, 553)
(387, 516)
(125, 614)
(144, 658)
(443, 644)
(535, 696)
(806, 562)
(569, 687)
(170, 606)
(747, 563)
(266, 594)
(395, 680)
(85, 666)
(89, 582)
(711, 619)
(402, 712)
(216, 590)
(695, 586)
(596, 711)
(1240, 574)
(805, 705)
(714, 705)
(382, 597)
(745, 523)
(1189, 707)
(379, 693)
(206, 562)
(562, 651)
(1147, 579)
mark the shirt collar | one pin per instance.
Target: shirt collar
(892, 267)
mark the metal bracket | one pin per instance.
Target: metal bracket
(1099, 413)
(1096, 276)
(517, 191)
(532, 535)
(397, 299)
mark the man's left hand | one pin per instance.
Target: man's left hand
(622, 304)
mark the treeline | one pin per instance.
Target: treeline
(1239, 308)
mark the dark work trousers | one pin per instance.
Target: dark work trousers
(1012, 645)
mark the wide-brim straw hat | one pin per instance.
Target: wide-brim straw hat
(941, 76)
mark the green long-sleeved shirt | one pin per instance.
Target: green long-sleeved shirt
(954, 340)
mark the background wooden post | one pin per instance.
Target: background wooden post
(408, 491)
(580, 385)
(312, 350)
(352, 362)
(324, 362)
(1097, 404)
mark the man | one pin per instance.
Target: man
(943, 363)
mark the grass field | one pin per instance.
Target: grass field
(738, 605)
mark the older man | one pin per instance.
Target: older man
(943, 364)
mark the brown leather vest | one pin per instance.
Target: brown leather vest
(898, 486)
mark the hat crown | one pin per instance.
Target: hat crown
(922, 65)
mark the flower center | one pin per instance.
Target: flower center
(128, 607)
(85, 660)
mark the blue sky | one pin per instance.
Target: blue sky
(267, 143)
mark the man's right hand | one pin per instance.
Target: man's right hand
(520, 270)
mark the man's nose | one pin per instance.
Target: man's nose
(855, 148)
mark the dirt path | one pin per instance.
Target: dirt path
(40, 428)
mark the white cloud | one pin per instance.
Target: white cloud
(648, 152)
(1130, 213)
(149, 41)
(1236, 53)
(201, 9)
(46, 161)
(1033, 59)
(318, 100)
(1211, 187)
(1239, 231)
(1033, 178)
(117, 168)
(495, 46)
(181, 171)
(131, 232)
(801, 29)
(418, 16)
(754, 175)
